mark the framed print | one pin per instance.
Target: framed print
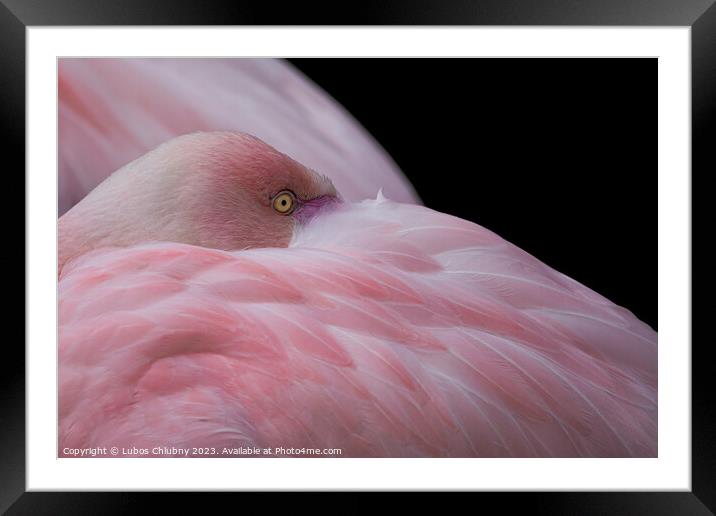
(445, 248)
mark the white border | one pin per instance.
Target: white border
(671, 471)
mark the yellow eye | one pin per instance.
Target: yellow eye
(284, 202)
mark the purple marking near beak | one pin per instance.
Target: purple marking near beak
(307, 210)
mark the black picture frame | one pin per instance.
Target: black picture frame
(17, 15)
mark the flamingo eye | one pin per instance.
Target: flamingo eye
(284, 202)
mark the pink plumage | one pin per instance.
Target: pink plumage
(383, 329)
(112, 111)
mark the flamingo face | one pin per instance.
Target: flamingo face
(221, 190)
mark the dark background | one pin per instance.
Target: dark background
(558, 156)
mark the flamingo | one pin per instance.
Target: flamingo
(217, 295)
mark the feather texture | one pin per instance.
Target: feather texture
(384, 329)
(111, 111)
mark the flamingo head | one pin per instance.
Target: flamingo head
(224, 190)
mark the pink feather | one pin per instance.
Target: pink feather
(112, 111)
(384, 329)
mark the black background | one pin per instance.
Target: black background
(558, 156)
